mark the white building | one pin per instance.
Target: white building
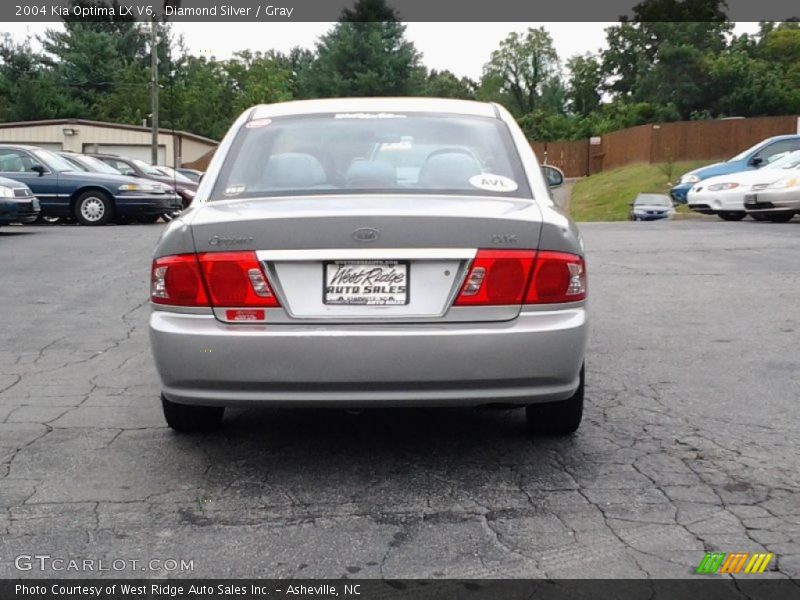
(175, 148)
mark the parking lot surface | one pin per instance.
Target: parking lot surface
(689, 442)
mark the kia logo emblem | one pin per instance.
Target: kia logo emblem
(366, 234)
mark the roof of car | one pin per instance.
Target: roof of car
(22, 146)
(355, 105)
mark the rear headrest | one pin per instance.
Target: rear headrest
(371, 174)
(448, 170)
(293, 170)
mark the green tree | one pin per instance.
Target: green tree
(585, 80)
(365, 54)
(661, 55)
(257, 78)
(523, 71)
(28, 91)
(444, 84)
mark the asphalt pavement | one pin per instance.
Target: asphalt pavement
(689, 442)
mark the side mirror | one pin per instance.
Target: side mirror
(553, 175)
(37, 168)
(756, 161)
(199, 179)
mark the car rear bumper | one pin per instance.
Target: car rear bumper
(534, 358)
(773, 201)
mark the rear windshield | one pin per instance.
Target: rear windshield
(96, 165)
(357, 153)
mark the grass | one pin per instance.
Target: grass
(606, 196)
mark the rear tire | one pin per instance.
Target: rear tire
(557, 418)
(732, 215)
(94, 208)
(187, 418)
(779, 217)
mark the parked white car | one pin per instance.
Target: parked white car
(724, 195)
(778, 202)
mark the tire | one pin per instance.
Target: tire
(94, 208)
(147, 219)
(557, 418)
(758, 216)
(732, 215)
(47, 220)
(192, 419)
(779, 217)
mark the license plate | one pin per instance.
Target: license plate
(365, 282)
(751, 199)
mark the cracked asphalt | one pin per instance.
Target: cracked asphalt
(689, 442)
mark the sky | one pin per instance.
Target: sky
(462, 48)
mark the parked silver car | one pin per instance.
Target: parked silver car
(317, 268)
(778, 201)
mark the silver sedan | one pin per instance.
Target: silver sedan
(371, 252)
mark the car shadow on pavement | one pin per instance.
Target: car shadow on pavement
(6, 233)
(316, 440)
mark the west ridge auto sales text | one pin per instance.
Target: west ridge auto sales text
(174, 590)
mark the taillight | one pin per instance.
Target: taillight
(557, 277)
(497, 277)
(176, 280)
(236, 279)
(224, 279)
(509, 277)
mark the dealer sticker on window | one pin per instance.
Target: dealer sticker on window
(493, 183)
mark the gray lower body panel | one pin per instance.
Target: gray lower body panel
(534, 358)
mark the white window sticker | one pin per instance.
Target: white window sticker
(368, 116)
(493, 183)
(235, 190)
(257, 123)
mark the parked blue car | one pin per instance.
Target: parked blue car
(91, 198)
(17, 202)
(754, 157)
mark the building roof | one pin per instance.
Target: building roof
(351, 105)
(44, 122)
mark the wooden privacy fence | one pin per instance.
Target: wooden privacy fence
(661, 142)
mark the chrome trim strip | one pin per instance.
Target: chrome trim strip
(366, 254)
(184, 310)
(277, 289)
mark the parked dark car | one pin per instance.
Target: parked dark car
(91, 164)
(17, 202)
(192, 174)
(91, 198)
(651, 207)
(185, 187)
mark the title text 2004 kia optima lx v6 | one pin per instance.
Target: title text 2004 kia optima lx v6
(371, 252)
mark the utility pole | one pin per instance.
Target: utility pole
(154, 89)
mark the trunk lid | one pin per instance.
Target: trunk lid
(303, 242)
